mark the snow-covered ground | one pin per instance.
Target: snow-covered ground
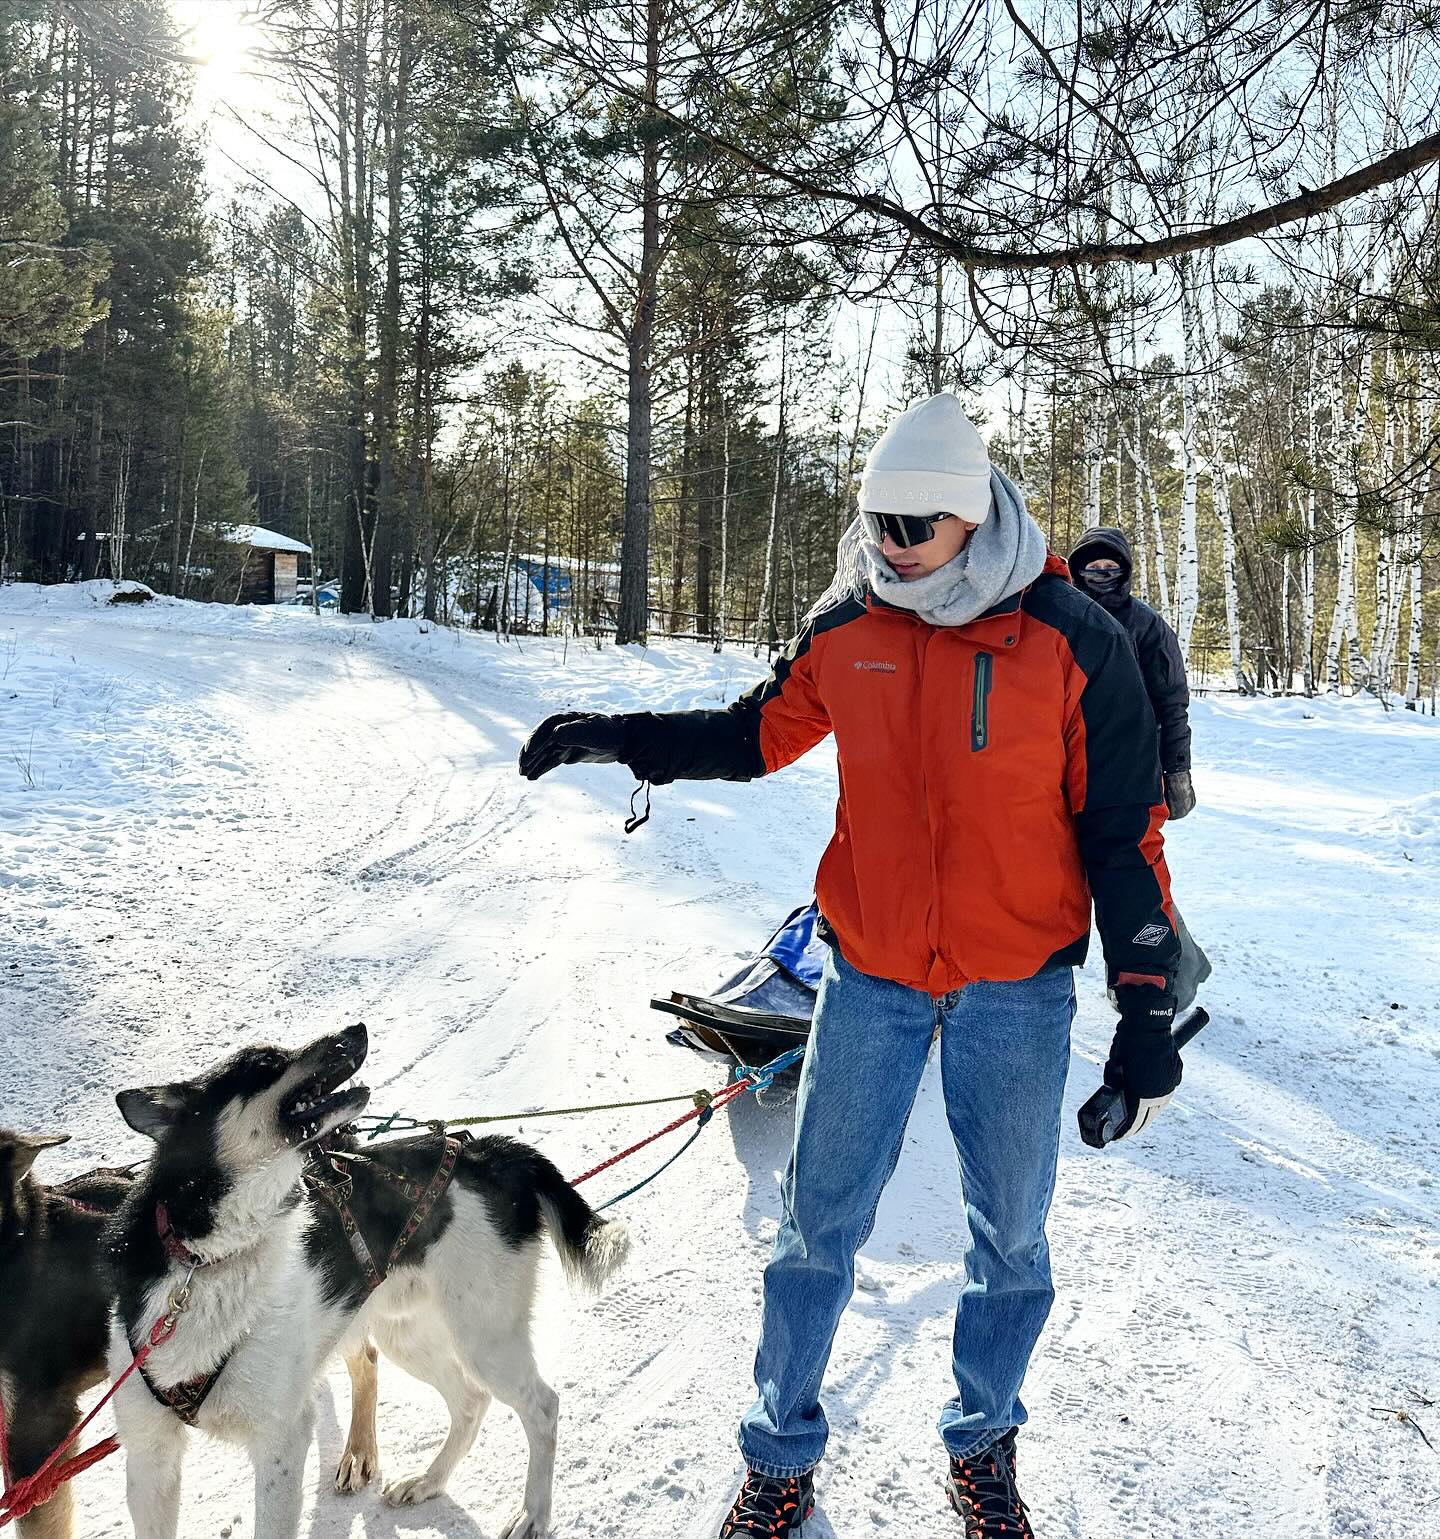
(225, 825)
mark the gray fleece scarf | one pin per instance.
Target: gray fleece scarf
(1005, 554)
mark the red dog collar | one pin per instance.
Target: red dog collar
(174, 1248)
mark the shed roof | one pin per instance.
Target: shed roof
(261, 539)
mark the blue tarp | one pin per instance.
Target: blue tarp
(542, 578)
(797, 948)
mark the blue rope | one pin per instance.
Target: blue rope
(760, 1079)
(700, 1122)
(763, 1078)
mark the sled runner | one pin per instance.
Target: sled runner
(763, 1008)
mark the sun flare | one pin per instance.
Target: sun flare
(221, 36)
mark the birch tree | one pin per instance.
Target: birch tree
(1187, 561)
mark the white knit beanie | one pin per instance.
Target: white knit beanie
(931, 459)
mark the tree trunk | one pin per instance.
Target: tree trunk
(1187, 562)
(351, 130)
(633, 620)
(937, 354)
(1220, 487)
(178, 523)
(1142, 534)
(90, 556)
(194, 519)
(1417, 557)
(682, 501)
(1417, 618)
(1149, 531)
(1287, 659)
(703, 473)
(1344, 450)
(1094, 451)
(724, 527)
(766, 628)
(420, 515)
(1220, 493)
(387, 434)
(1344, 598)
(25, 452)
(1307, 573)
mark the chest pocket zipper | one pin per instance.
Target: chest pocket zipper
(980, 714)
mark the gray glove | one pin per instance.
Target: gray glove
(1179, 793)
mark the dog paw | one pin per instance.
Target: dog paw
(357, 1468)
(523, 1526)
(412, 1489)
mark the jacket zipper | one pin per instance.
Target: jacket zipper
(980, 715)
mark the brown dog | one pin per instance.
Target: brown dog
(55, 1302)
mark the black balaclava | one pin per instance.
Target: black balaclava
(1111, 589)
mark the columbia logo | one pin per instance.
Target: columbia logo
(867, 665)
(1151, 935)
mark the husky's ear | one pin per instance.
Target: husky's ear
(153, 1108)
(24, 1147)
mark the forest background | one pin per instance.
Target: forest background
(623, 292)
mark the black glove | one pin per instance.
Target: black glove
(1179, 793)
(1143, 1068)
(574, 737)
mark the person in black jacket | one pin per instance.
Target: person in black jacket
(1100, 564)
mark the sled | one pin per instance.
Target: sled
(766, 1007)
(762, 1009)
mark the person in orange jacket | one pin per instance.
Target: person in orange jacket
(998, 775)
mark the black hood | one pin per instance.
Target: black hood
(1102, 542)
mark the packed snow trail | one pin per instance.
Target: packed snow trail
(218, 826)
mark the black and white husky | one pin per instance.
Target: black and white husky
(275, 1288)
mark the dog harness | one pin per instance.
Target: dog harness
(185, 1398)
(327, 1178)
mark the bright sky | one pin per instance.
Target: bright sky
(231, 90)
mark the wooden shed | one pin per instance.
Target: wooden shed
(269, 566)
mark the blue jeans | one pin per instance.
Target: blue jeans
(1004, 1051)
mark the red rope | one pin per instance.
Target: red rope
(721, 1098)
(35, 1490)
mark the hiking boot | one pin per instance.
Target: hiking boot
(982, 1490)
(774, 1507)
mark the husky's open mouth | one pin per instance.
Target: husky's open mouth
(319, 1103)
(313, 1111)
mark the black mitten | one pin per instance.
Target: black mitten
(574, 737)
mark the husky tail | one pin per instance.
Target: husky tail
(590, 1247)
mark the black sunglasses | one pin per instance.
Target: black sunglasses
(906, 529)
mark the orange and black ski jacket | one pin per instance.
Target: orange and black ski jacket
(994, 777)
